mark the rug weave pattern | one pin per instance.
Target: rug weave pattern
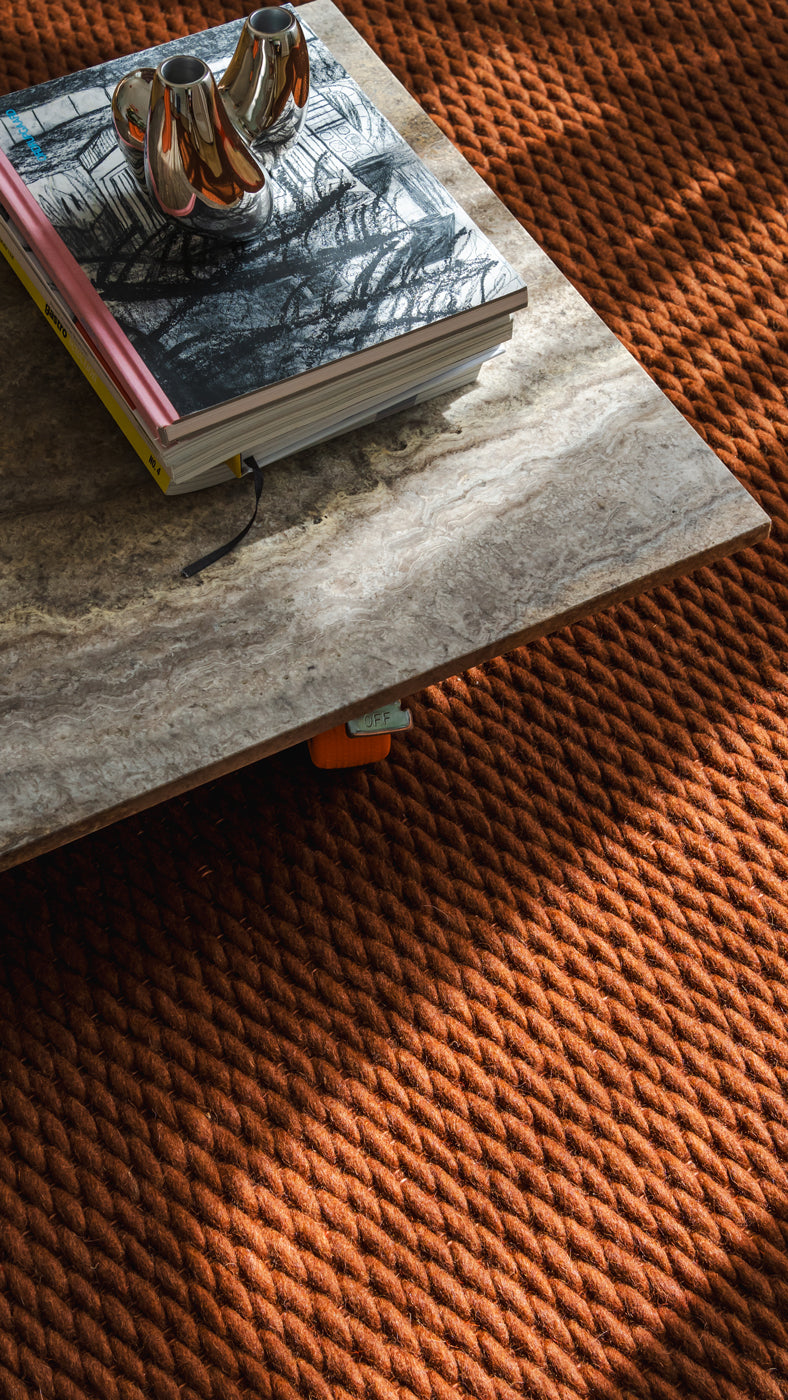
(465, 1075)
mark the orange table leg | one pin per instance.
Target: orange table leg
(336, 749)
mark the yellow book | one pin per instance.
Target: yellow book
(87, 360)
(78, 354)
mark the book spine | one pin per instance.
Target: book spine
(67, 337)
(139, 385)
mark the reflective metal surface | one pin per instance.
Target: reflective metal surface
(130, 103)
(387, 719)
(266, 85)
(198, 167)
(200, 148)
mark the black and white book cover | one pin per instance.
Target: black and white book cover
(363, 244)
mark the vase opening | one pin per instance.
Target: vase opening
(271, 21)
(183, 70)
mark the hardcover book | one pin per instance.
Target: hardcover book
(368, 274)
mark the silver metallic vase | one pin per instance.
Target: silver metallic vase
(201, 148)
(198, 168)
(266, 85)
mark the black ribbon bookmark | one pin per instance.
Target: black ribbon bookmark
(208, 559)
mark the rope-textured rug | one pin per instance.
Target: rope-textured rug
(462, 1076)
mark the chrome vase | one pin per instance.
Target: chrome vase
(266, 85)
(198, 168)
(202, 148)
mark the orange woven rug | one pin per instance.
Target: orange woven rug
(463, 1076)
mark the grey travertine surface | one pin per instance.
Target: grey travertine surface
(394, 556)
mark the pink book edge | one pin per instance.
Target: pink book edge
(133, 375)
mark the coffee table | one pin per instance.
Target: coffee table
(383, 561)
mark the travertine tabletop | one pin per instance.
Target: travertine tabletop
(401, 554)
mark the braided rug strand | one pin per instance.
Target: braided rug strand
(465, 1075)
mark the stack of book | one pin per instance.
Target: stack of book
(369, 289)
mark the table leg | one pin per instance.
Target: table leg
(363, 740)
